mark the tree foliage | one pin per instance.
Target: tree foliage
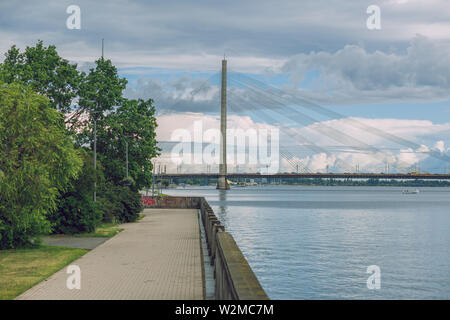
(100, 91)
(42, 69)
(133, 122)
(119, 121)
(47, 113)
(76, 211)
(37, 161)
(102, 88)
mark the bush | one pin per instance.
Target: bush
(107, 209)
(18, 236)
(132, 205)
(120, 203)
(75, 214)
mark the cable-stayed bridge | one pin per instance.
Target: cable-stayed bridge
(301, 123)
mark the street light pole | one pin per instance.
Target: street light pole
(153, 180)
(126, 144)
(95, 153)
(95, 159)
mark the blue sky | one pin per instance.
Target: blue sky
(397, 78)
(436, 111)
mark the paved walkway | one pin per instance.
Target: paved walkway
(158, 257)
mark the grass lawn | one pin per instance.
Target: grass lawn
(105, 230)
(21, 269)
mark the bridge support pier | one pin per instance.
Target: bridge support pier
(222, 183)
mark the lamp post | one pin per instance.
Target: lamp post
(126, 158)
(95, 159)
(95, 153)
(153, 181)
(126, 146)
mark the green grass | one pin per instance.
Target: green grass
(105, 230)
(21, 269)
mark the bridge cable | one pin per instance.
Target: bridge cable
(354, 122)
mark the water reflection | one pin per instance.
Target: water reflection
(223, 208)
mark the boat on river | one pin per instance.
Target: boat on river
(406, 191)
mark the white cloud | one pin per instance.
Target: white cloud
(440, 145)
(195, 34)
(353, 74)
(412, 130)
(423, 148)
(346, 154)
(338, 157)
(258, 35)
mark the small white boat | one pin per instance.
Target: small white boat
(416, 191)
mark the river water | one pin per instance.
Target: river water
(307, 242)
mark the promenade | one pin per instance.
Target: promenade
(158, 257)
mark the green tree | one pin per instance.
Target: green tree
(44, 71)
(37, 161)
(132, 123)
(119, 121)
(102, 88)
(100, 91)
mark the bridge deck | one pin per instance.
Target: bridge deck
(158, 257)
(309, 175)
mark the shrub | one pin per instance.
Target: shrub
(20, 236)
(75, 214)
(120, 203)
(107, 209)
(131, 201)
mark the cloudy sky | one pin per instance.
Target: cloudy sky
(320, 53)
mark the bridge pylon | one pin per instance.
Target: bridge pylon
(222, 183)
